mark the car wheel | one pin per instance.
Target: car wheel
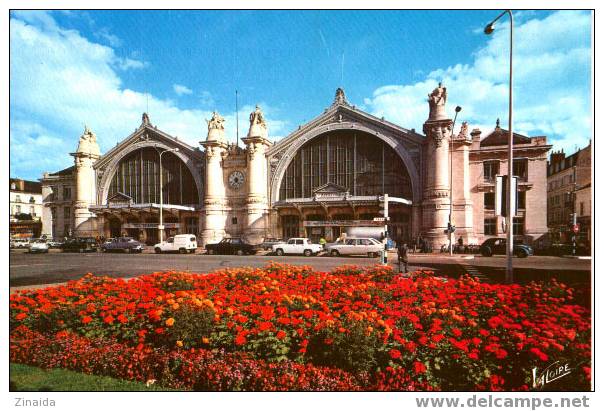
(335, 253)
(103, 250)
(487, 252)
(522, 254)
(182, 250)
(240, 252)
(307, 253)
(371, 254)
(211, 251)
(157, 250)
(279, 251)
(81, 250)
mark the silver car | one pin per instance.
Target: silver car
(356, 246)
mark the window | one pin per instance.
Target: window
(581, 208)
(300, 242)
(521, 200)
(17, 198)
(518, 225)
(67, 212)
(520, 168)
(67, 230)
(191, 224)
(234, 220)
(32, 211)
(491, 169)
(32, 200)
(489, 201)
(66, 193)
(490, 225)
(13, 186)
(18, 209)
(53, 212)
(54, 195)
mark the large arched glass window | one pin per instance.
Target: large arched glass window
(362, 163)
(137, 176)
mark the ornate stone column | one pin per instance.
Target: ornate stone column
(435, 207)
(257, 194)
(86, 155)
(462, 200)
(214, 213)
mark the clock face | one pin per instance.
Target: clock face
(236, 179)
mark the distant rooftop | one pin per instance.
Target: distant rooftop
(25, 186)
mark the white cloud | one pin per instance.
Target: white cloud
(552, 71)
(180, 89)
(61, 80)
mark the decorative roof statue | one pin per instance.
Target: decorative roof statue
(216, 128)
(87, 143)
(497, 124)
(145, 120)
(463, 132)
(258, 126)
(256, 117)
(216, 122)
(340, 97)
(437, 100)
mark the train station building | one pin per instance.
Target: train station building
(327, 175)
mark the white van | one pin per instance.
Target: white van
(181, 243)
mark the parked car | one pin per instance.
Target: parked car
(497, 246)
(559, 250)
(269, 242)
(232, 245)
(355, 246)
(80, 244)
(54, 244)
(38, 246)
(19, 243)
(182, 243)
(125, 244)
(298, 246)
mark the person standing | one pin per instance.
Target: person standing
(402, 255)
(322, 242)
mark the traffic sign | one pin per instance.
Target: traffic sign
(576, 228)
(381, 218)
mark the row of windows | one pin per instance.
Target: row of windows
(560, 182)
(491, 169)
(17, 209)
(560, 199)
(490, 226)
(55, 193)
(18, 199)
(489, 200)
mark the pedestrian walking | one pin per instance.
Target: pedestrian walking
(403, 258)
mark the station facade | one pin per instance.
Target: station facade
(327, 175)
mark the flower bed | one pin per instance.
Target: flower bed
(290, 328)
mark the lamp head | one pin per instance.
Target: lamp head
(176, 149)
(457, 109)
(490, 28)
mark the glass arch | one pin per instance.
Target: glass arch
(362, 163)
(137, 176)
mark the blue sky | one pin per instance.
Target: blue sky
(102, 68)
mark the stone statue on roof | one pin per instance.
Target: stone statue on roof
(437, 100)
(256, 117)
(216, 122)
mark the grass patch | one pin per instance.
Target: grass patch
(27, 378)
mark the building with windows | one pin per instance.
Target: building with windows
(25, 208)
(569, 192)
(326, 176)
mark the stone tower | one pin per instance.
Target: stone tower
(214, 201)
(86, 155)
(435, 207)
(257, 194)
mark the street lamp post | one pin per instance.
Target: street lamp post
(509, 274)
(161, 195)
(450, 227)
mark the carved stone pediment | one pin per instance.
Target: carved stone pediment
(119, 199)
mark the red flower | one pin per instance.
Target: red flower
(281, 334)
(539, 354)
(395, 354)
(86, 320)
(109, 319)
(20, 316)
(419, 367)
(240, 339)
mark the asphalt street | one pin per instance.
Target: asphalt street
(56, 267)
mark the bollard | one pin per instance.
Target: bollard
(384, 257)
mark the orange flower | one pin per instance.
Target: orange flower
(205, 340)
(179, 343)
(170, 322)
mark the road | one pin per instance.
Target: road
(56, 267)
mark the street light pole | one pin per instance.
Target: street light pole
(509, 274)
(161, 195)
(457, 110)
